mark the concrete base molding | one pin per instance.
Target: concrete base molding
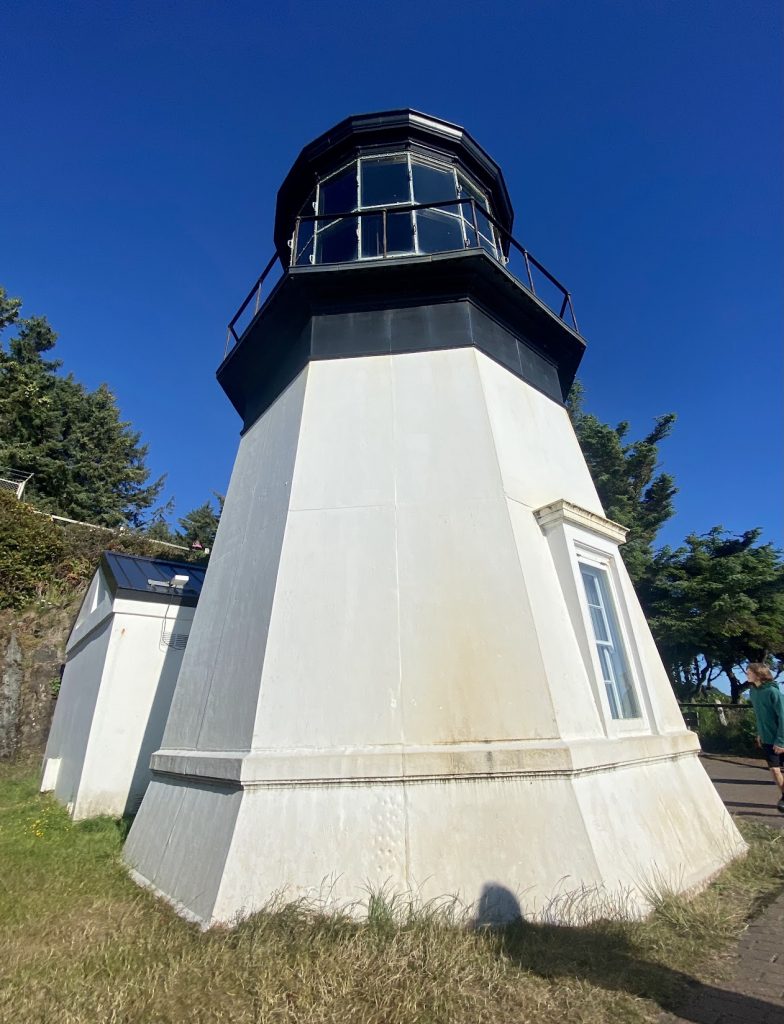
(617, 833)
(526, 759)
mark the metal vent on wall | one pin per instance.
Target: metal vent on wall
(175, 640)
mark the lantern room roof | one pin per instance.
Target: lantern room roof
(379, 132)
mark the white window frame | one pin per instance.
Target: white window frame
(604, 564)
(577, 536)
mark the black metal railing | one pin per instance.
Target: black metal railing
(253, 299)
(307, 248)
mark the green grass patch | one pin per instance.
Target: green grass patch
(80, 944)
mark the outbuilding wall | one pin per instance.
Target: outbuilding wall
(120, 673)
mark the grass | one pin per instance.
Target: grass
(81, 943)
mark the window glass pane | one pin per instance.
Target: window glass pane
(438, 232)
(384, 182)
(488, 246)
(400, 233)
(472, 236)
(606, 661)
(623, 684)
(338, 242)
(629, 705)
(591, 586)
(483, 224)
(597, 620)
(339, 194)
(469, 190)
(304, 243)
(609, 646)
(612, 700)
(433, 185)
(309, 207)
(372, 231)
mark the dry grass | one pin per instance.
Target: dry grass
(80, 943)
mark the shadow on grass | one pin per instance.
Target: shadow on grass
(124, 826)
(104, 822)
(604, 956)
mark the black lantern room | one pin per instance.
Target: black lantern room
(393, 232)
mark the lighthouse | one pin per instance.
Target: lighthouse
(418, 663)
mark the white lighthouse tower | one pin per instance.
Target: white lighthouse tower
(417, 662)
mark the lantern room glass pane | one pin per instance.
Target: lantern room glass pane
(375, 182)
(483, 224)
(304, 243)
(472, 236)
(339, 194)
(488, 246)
(468, 189)
(400, 233)
(433, 184)
(384, 182)
(438, 232)
(371, 229)
(337, 243)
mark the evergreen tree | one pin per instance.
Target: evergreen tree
(158, 528)
(714, 605)
(88, 463)
(201, 524)
(631, 491)
(9, 309)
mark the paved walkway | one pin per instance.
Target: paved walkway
(746, 787)
(755, 992)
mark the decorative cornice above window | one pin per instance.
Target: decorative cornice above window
(561, 512)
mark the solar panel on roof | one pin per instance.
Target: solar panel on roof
(134, 572)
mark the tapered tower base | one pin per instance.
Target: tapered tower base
(502, 843)
(393, 680)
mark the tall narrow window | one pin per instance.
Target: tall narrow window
(609, 646)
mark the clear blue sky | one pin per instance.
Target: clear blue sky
(143, 145)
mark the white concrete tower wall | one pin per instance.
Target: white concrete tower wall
(230, 638)
(391, 680)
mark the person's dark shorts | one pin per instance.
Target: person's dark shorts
(774, 760)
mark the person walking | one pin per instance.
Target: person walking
(768, 702)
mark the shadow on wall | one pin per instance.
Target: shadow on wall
(603, 955)
(156, 719)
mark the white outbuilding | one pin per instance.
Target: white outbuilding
(121, 666)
